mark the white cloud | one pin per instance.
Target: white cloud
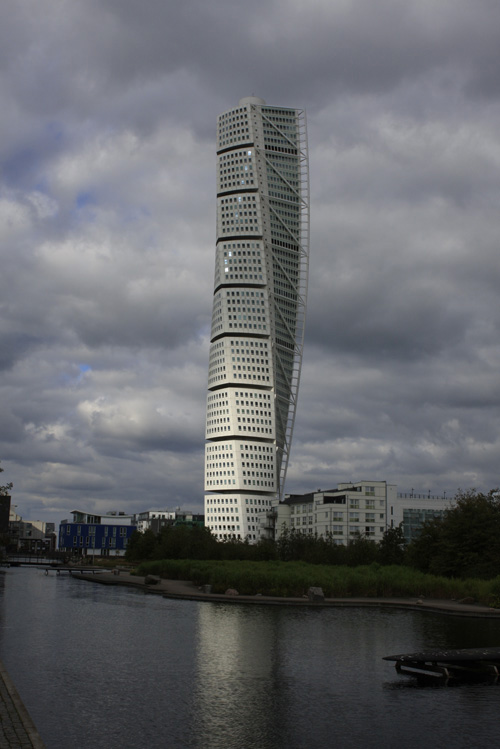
(107, 216)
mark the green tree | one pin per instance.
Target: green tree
(392, 547)
(464, 542)
(361, 550)
(141, 546)
(293, 545)
(185, 542)
(424, 552)
(6, 488)
(265, 550)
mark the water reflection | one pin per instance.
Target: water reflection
(460, 632)
(112, 667)
(310, 677)
(239, 675)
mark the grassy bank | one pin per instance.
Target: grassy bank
(294, 579)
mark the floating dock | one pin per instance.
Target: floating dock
(468, 663)
(75, 570)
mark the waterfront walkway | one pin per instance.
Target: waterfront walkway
(17, 730)
(183, 589)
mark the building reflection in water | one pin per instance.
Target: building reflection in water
(269, 673)
(241, 687)
(281, 677)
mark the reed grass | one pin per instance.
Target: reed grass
(293, 579)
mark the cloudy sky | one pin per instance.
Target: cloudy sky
(107, 227)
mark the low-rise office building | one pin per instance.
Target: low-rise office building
(154, 520)
(89, 534)
(411, 510)
(350, 510)
(191, 519)
(363, 508)
(30, 536)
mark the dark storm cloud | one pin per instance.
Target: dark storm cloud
(311, 51)
(107, 220)
(313, 48)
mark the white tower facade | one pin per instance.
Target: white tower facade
(260, 295)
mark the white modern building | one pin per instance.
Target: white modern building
(260, 290)
(347, 512)
(30, 536)
(154, 519)
(412, 509)
(362, 508)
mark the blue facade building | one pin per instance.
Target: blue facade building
(96, 535)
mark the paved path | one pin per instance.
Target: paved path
(17, 730)
(187, 590)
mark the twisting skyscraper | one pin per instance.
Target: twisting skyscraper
(260, 292)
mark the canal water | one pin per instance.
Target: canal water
(116, 668)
